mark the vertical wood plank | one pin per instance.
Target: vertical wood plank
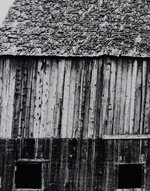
(116, 117)
(17, 101)
(38, 101)
(5, 96)
(144, 72)
(133, 89)
(111, 97)
(28, 100)
(4, 179)
(76, 127)
(71, 100)
(52, 98)
(46, 73)
(65, 128)
(10, 165)
(1, 93)
(88, 67)
(59, 99)
(92, 109)
(104, 104)
(138, 99)
(72, 164)
(123, 95)
(33, 97)
(128, 98)
(98, 98)
(147, 103)
(23, 108)
(10, 106)
(82, 100)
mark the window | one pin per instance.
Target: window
(28, 175)
(130, 176)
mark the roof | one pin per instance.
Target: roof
(77, 28)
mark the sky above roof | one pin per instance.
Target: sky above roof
(4, 7)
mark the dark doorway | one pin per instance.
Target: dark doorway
(28, 175)
(130, 176)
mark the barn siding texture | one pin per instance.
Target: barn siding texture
(74, 164)
(74, 97)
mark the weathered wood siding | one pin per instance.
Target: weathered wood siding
(74, 97)
(75, 165)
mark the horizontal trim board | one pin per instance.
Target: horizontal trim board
(126, 136)
(32, 160)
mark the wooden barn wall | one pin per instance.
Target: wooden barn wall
(75, 165)
(74, 97)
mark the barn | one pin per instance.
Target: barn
(75, 96)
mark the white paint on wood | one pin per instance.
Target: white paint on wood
(5, 97)
(71, 102)
(28, 101)
(125, 136)
(52, 99)
(38, 101)
(91, 124)
(122, 99)
(46, 74)
(64, 127)
(33, 96)
(10, 101)
(81, 100)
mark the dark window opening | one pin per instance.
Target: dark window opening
(130, 176)
(28, 175)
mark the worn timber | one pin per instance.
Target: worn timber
(74, 164)
(74, 97)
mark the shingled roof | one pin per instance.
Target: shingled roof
(77, 28)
